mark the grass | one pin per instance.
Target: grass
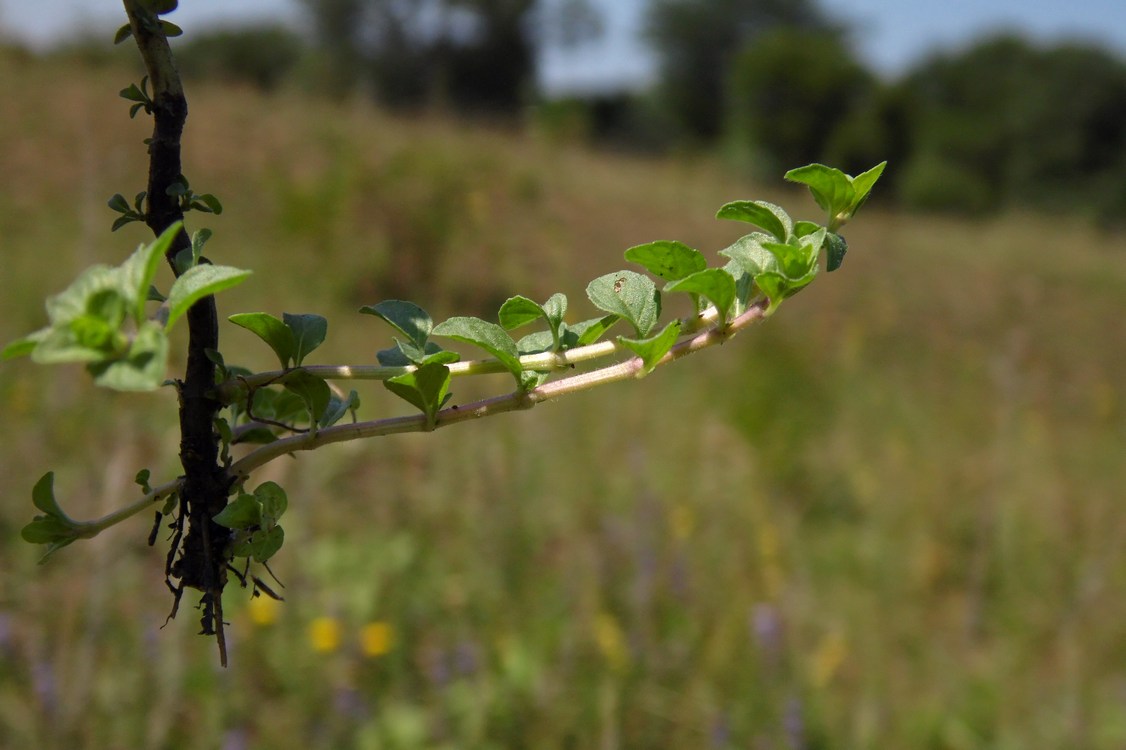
(889, 517)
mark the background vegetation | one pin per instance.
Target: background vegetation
(890, 517)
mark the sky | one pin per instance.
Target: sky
(889, 35)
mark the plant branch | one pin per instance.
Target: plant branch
(630, 368)
(230, 390)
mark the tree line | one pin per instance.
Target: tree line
(1004, 122)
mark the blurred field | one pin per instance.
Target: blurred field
(891, 517)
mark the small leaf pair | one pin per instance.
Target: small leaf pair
(55, 528)
(839, 194)
(100, 318)
(254, 520)
(292, 338)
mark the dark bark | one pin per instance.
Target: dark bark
(201, 562)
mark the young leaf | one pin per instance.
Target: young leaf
(831, 188)
(118, 203)
(309, 332)
(338, 407)
(207, 203)
(488, 336)
(768, 216)
(197, 283)
(264, 544)
(668, 259)
(313, 391)
(143, 366)
(241, 513)
(836, 248)
(588, 331)
(629, 295)
(427, 388)
(862, 184)
(406, 317)
(139, 269)
(274, 502)
(749, 252)
(43, 496)
(122, 34)
(715, 284)
(21, 347)
(653, 348)
(518, 311)
(274, 332)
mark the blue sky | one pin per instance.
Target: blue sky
(889, 34)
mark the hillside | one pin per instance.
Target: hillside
(889, 517)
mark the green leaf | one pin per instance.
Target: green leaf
(274, 332)
(243, 512)
(139, 269)
(653, 348)
(715, 284)
(121, 221)
(589, 331)
(309, 332)
(47, 530)
(274, 502)
(207, 203)
(749, 252)
(536, 343)
(142, 368)
(197, 283)
(122, 34)
(768, 216)
(265, 544)
(118, 203)
(406, 317)
(133, 94)
(862, 184)
(313, 391)
(171, 30)
(23, 346)
(426, 388)
(794, 260)
(488, 336)
(338, 407)
(744, 287)
(629, 295)
(831, 188)
(405, 353)
(518, 311)
(43, 496)
(836, 248)
(199, 239)
(667, 259)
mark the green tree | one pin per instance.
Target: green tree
(1020, 122)
(790, 91)
(696, 42)
(476, 55)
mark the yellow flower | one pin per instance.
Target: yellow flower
(608, 636)
(376, 638)
(263, 611)
(828, 658)
(682, 520)
(324, 634)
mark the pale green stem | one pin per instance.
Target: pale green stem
(532, 362)
(89, 529)
(630, 368)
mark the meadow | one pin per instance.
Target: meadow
(889, 517)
